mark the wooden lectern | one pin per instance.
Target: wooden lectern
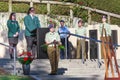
(109, 55)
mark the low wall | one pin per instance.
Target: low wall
(43, 20)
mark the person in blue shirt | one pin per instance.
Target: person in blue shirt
(64, 29)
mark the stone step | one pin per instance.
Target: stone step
(66, 67)
(71, 77)
(61, 64)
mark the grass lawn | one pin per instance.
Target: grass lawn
(11, 77)
(6, 76)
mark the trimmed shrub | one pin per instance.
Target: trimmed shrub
(60, 10)
(40, 8)
(3, 6)
(20, 7)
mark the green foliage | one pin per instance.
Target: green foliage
(25, 60)
(3, 6)
(81, 13)
(60, 10)
(40, 8)
(44, 47)
(107, 5)
(20, 7)
(10, 77)
(115, 21)
(67, 0)
(96, 17)
(61, 47)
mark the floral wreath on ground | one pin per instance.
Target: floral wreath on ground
(25, 58)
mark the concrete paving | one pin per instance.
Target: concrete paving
(72, 69)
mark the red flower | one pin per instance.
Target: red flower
(29, 54)
(26, 53)
(81, 3)
(25, 58)
(50, 20)
(21, 54)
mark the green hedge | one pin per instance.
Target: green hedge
(23, 8)
(3, 6)
(20, 7)
(60, 10)
(81, 13)
(40, 8)
(96, 17)
(115, 21)
(107, 5)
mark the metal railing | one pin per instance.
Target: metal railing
(14, 51)
(92, 39)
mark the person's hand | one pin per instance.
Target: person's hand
(55, 42)
(59, 43)
(17, 33)
(14, 35)
(68, 35)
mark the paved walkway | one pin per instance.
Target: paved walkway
(68, 69)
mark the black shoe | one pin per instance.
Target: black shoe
(52, 74)
(11, 57)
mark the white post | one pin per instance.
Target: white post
(31, 3)
(89, 16)
(14, 49)
(10, 6)
(48, 11)
(99, 50)
(108, 19)
(48, 8)
(99, 44)
(66, 47)
(87, 35)
(71, 16)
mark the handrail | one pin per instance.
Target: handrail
(117, 45)
(6, 45)
(99, 63)
(102, 12)
(14, 50)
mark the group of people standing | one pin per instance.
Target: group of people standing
(53, 38)
(31, 24)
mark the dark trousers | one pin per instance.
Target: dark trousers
(32, 44)
(13, 43)
(62, 52)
